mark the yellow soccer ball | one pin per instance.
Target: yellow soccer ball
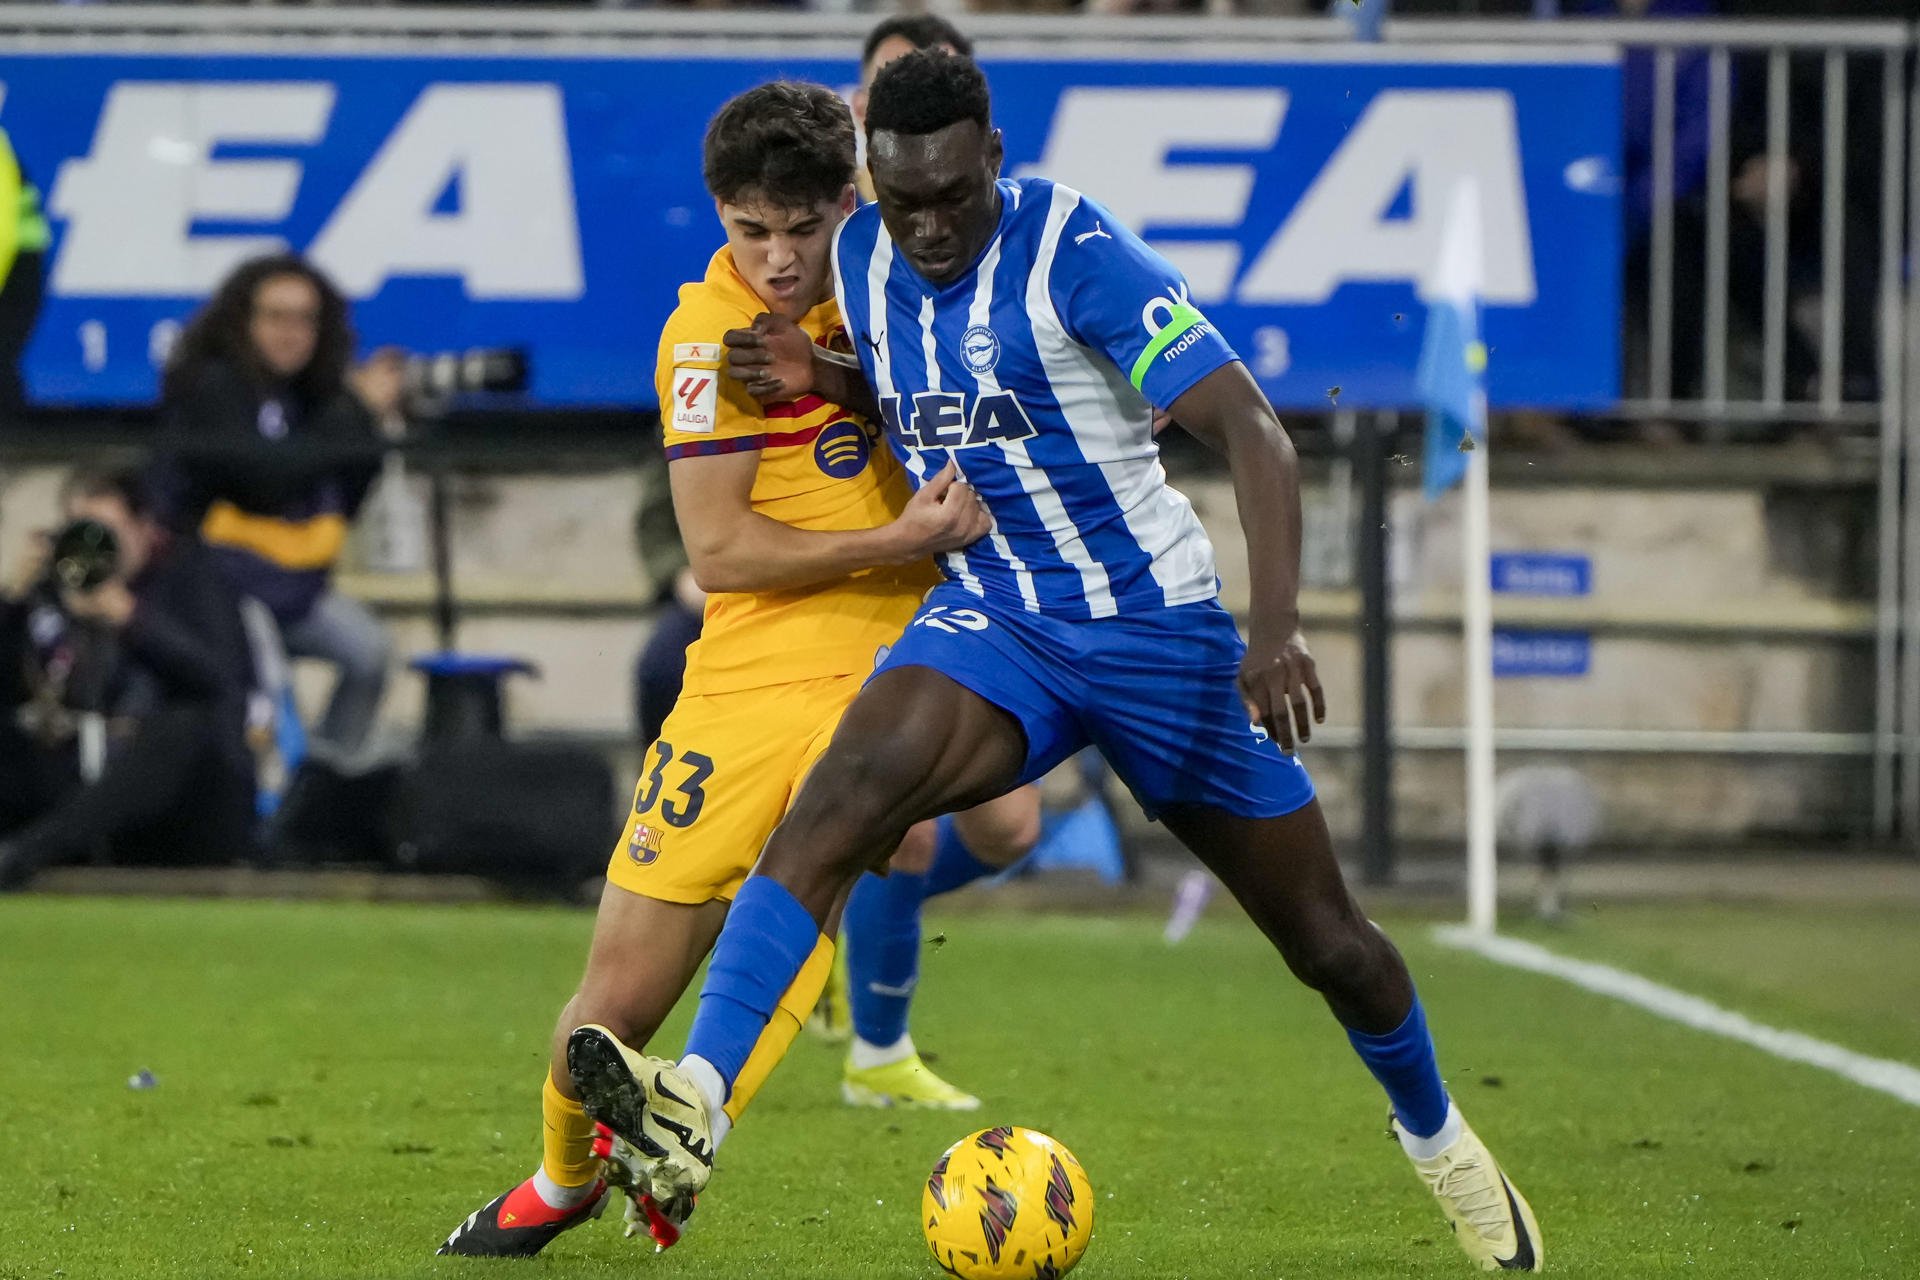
(1007, 1204)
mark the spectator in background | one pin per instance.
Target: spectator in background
(1691, 124)
(272, 445)
(158, 650)
(680, 604)
(890, 39)
(1751, 172)
(1636, 105)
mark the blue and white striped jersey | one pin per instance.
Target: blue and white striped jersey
(1039, 369)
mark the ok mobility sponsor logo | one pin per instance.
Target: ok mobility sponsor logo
(1182, 327)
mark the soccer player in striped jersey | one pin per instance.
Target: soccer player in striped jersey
(1016, 330)
(876, 969)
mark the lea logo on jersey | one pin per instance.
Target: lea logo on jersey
(954, 420)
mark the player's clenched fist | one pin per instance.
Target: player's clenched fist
(1282, 687)
(945, 515)
(773, 359)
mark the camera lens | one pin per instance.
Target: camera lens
(85, 554)
(450, 373)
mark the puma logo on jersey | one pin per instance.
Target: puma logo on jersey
(1095, 234)
(873, 343)
(945, 420)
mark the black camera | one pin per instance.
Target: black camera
(441, 375)
(85, 554)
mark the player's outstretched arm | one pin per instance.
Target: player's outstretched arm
(776, 361)
(732, 547)
(1227, 411)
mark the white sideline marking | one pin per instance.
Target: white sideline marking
(1884, 1074)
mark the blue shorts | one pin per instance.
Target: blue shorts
(1156, 692)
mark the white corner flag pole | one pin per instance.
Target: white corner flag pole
(1460, 281)
(1478, 613)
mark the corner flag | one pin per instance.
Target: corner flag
(1453, 360)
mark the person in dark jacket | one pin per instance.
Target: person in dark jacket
(679, 603)
(272, 442)
(159, 652)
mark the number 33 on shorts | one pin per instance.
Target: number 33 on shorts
(679, 799)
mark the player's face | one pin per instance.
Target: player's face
(785, 253)
(285, 325)
(936, 194)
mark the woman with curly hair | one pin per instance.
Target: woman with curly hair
(272, 443)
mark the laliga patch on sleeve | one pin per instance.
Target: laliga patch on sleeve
(695, 394)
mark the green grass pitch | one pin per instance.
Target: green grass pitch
(338, 1085)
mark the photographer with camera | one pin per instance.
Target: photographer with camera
(116, 622)
(273, 440)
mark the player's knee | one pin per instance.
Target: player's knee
(915, 854)
(870, 785)
(820, 847)
(1010, 836)
(850, 815)
(1335, 956)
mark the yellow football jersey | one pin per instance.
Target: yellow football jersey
(821, 467)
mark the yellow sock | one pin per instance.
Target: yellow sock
(783, 1026)
(566, 1138)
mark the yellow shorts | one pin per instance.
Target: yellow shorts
(717, 783)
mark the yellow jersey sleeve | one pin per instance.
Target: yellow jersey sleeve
(702, 411)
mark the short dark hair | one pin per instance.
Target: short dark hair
(789, 142)
(219, 331)
(128, 486)
(921, 30)
(925, 92)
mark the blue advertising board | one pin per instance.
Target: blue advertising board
(1541, 573)
(1562, 654)
(554, 203)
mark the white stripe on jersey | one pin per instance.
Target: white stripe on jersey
(1114, 428)
(1015, 452)
(879, 266)
(956, 560)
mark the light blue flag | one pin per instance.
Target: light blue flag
(1453, 360)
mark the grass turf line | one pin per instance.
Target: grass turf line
(340, 1084)
(1847, 972)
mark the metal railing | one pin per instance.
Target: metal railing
(1843, 56)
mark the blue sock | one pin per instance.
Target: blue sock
(954, 865)
(881, 931)
(1403, 1062)
(767, 938)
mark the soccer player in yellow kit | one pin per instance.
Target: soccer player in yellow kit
(799, 524)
